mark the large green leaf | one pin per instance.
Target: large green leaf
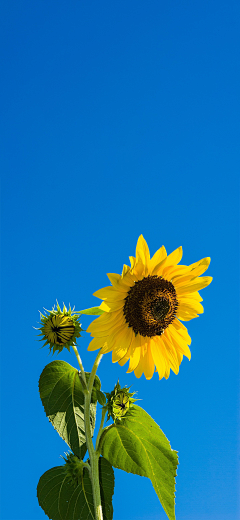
(137, 445)
(63, 400)
(106, 477)
(60, 500)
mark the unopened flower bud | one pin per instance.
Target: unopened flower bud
(59, 328)
(119, 402)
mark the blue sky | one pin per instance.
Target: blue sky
(121, 118)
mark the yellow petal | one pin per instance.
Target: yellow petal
(135, 353)
(174, 273)
(122, 345)
(125, 270)
(119, 337)
(186, 304)
(158, 358)
(139, 270)
(132, 261)
(175, 257)
(139, 369)
(180, 280)
(171, 352)
(179, 343)
(195, 285)
(107, 317)
(124, 360)
(96, 343)
(163, 350)
(187, 316)
(179, 357)
(157, 270)
(100, 325)
(128, 280)
(194, 296)
(142, 251)
(112, 329)
(157, 258)
(109, 292)
(181, 329)
(115, 281)
(149, 365)
(104, 307)
(204, 261)
(134, 360)
(114, 306)
(170, 271)
(171, 260)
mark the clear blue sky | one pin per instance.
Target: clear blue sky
(121, 118)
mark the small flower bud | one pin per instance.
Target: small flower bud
(74, 468)
(119, 403)
(59, 328)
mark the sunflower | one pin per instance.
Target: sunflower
(143, 308)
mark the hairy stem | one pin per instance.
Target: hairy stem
(100, 429)
(101, 438)
(94, 370)
(93, 455)
(94, 458)
(79, 362)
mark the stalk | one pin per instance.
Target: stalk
(93, 455)
(79, 362)
(94, 458)
(94, 370)
(100, 430)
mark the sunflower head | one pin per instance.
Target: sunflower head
(59, 328)
(119, 403)
(74, 469)
(144, 309)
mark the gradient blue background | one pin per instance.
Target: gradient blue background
(121, 118)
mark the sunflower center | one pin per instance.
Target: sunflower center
(160, 308)
(150, 306)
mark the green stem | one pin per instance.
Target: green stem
(104, 411)
(79, 362)
(94, 459)
(94, 370)
(93, 455)
(103, 433)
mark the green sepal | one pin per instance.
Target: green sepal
(62, 396)
(137, 445)
(63, 499)
(93, 311)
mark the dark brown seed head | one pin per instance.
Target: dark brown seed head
(150, 306)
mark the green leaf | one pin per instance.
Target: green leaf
(96, 311)
(61, 500)
(101, 397)
(62, 396)
(137, 445)
(106, 477)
